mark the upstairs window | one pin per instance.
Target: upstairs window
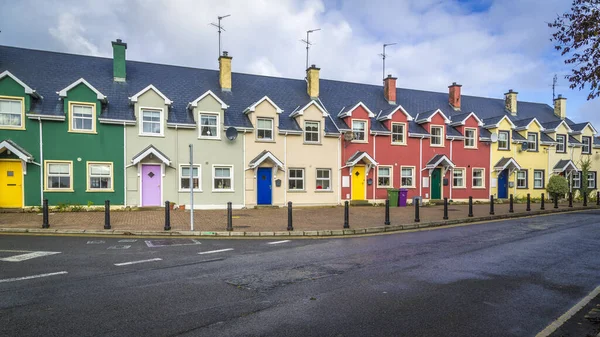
(82, 118)
(311, 132)
(532, 140)
(561, 147)
(209, 126)
(11, 114)
(503, 140)
(359, 128)
(437, 136)
(399, 133)
(264, 129)
(587, 141)
(152, 122)
(470, 138)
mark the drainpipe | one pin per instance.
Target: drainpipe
(124, 165)
(43, 166)
(450, 178)
(285, 172)
(421, 167)
(244, 165)
(374, 176)
(339, 180)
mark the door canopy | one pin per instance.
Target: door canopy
(507, 163)
(565, 165)
(264, 156)
(361, 156)
(150, 152)
(9, 145)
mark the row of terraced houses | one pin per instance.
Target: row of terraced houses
(80, 130)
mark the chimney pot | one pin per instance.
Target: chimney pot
(454, 96)
(225, 53)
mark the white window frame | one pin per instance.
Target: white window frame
(217, 126)
(562, 144)
(21, 102)
(526, 179)
(412, 176)
(463, 177)
(272, 129)
(482, 177)
(541, 179)
(441, 136)
(92, 107)
(303, 179)
(47, 175)
(473, 139)
(390, 176)
(507, 133)
(231, 175)
(402, 134)
(529, 146)
(317, 179)
(89, 176)
(576, 178)
(592, 179)
(162, 122)
(587, 144)
(318, 132)
(365, 131)
(187, 176)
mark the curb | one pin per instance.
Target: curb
(293, 234)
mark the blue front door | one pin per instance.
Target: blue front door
(503, 185)
(263, 186)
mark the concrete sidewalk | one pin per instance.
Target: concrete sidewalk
(252, 222)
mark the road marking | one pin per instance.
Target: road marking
(95, 242)
(136, 262)
(28, 256)
(170, 243)
(32, 277)
(119, 247)
(15, 251)
(567, 315)
(127, 240)
(216, 251)
(277, 242)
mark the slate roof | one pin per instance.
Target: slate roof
(551, 125)
(255, 160)
(19, 148)
(522, 122)
(502, 163)
(517, 137)
(417, 129)
(561, 164)
(544, 138)
(484, 133)
(578, 126)
(574, 141)
(452, 132)
(437, 159)
(148, 148)
(49, 72)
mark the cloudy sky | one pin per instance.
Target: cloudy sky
(487, 46)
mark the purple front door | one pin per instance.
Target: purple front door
(151, 181)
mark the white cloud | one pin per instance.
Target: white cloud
(70, 32)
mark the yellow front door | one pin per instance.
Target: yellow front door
(358, 183)
(11, 184)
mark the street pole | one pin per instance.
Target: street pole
(192, 187)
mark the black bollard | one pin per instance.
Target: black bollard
(491, 205)
(470, 207)
(584, 199)
(387, 212)
(570, 199)
(510, 205)
(555, 200)
(542, 203)
(445, 208)
(106, 214)
(528, 202)
(168, 216)
(45, 223)
(597, 198)
(290, 225)
(417, 218)
(346, 214)
(229, 217)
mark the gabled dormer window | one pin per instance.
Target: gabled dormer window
(503, 140)
(532, 139)
(399, 133)
(209, 125)
(562, 144)
(151, 122)
(359, 128)
(470, 138)
(437, 136)
(264, 129)
(82, 117)
(311, 132)
(586, 141)
(11, 113)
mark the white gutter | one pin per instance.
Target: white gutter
(46, 117)
(42, 167)
(115, 121)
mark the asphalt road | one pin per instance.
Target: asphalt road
(509, 278)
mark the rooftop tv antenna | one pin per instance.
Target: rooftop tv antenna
(383, 56)
(220, 28)
(308, 44)
(554, 82)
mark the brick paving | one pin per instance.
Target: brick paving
(255, 220)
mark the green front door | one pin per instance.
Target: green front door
(436, 184)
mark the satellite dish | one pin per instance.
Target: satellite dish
(494, 137)
(348, 136)
(231, 133)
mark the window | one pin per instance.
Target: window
(100, 176)
(538, 179)
(58, 176)
(576, 180)
(522, 179)
(184, 177)
(458, 177)
(209, 126)
(323, 179)
(296, 179)
(562, 143)
(384, 176)
(11, 113)
(264, 129)
(470, 138)
(587, 149)
(407, 176)
(532, 142)
(222, 178)
(151, 122)
(398, 133)
(311, 132)
(478, 178)
(82, 118)
(437, 136)
(592, 180)
(358, 128)
(503, 140)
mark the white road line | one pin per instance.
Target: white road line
(119, 247)
(216, 251)
(32, 277)
(277, 242)
(567, 315)
(28, 256)
(136, 262)
(95, 242)
(127, 240)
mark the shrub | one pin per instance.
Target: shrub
(557, 186)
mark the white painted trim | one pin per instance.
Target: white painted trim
(300, 112)
(268, 155)
(349, 112)
(194, 104)
(99, 95)
(212, 180)
(562, 122)
(252, 108)
(6, 145)
(497, 125)
(135, 97)
(218, 136)
(28, 89)
(526, 127)
(443, 158)
(140, 116)
(46, 117)
(428, 120)
(399, 108)
(179, 176)
(359, 158)
(151, 150)
(115, 121)
(511, 160)
(463, 121)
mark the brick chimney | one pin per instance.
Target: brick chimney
(389, 89)
(510, 102)
(560, 107)
(312, 81)
(454, 96)
(225, 71)
(119, 70)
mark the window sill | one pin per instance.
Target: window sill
(150, 135)
(222, 191)
(188, 191)
(431, 145)
(296, 191)
(84, 132)
(65, 190)
(20, 128)
(99, 190)
(478, 188)
(385, 187)
(459, 187)
(323, 191)
(360, 141)
(470, 148)
(312, 143)
(398, 144)
(264, 140)
(210, 138)
(525, 188)
(407, 187)
(503, 149)
(539, 188)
